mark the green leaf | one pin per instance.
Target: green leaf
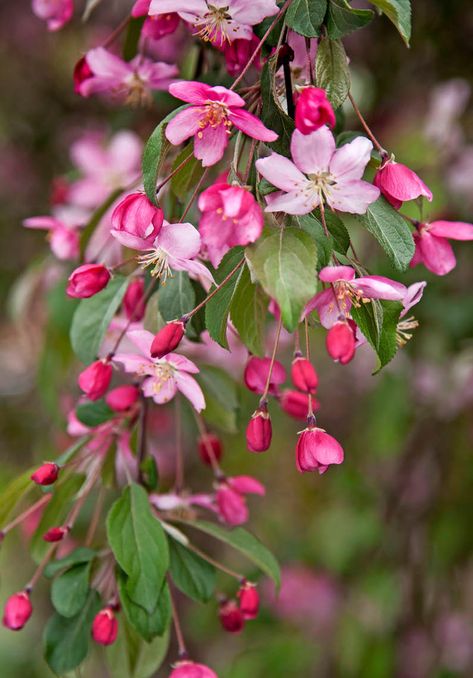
(131, 657)
(79, 555)
(221, 400)
(71, 451)
(13, 493)
(147, 624)
(154, 155)
(245, 543)
(188, 176)
(192, 575)
(306, 16)
(248, 312)
(388, 346)
(272, 113)
(338, 230)
(218, 308)
(149, 470)
(69, 591)
(130, 46)
(399, 12)
(93, 316)
(391, 231)
(343, 19)
(285, 263)
(331, 70)
(66, 639)
(139, 545)
(311, 225)
(94, 413)
(176, 297)
(369, 318)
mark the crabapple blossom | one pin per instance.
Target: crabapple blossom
(87, 280)
(341, 341)
(296, 404)
(63, 238)
(122, 398)
(136, 222)
(55, 534)
(56, 13)
(259, 431)
(257, 372)
(399, 184)
(209, 119)
(238, 52)
(313, 110)
(189, 669)
(17, 611)
(319, 172)
(316, 450)
(230, 498)
(432, 246)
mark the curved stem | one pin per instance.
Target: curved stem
(189, 315)
(194, 194)
(177, 626)
(19, 519)
(273, 358)
(366, 126)
(215, 563)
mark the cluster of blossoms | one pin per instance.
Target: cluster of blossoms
(137, 230)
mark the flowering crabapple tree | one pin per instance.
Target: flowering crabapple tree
(190, 261)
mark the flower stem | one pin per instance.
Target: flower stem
(174, 172)
(119, 29)
(189, 315)
(194, 194)
(132, 317)
(271, 365)
(179, 479)
(208, 447)
(19, 519)
(177, 627)
(366, 127)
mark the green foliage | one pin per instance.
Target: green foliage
(13, 493)
(147, 623)
(343, 19)
(193, 575)
(132, 37)
(248, 312)
(220, 398)
(131, 657)
(306, 16)
(217, 309)
(331, 70)
(378, 322)
(272, 113)
(399, 12)
(188, 176)
(176, 296)
(76, 557)
(69, 591)
(93, 413)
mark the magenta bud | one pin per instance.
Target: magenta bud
(296, 404)
(136, 222)
(341, 342)
(256, 375)
(134, 300)
(167, 339)
(189, 669)
(210, 446)
(120, 399)
(231, 617)
(82, 72)
(399, 183)
(17, 611)
(231, 505)
(95, 379)
(87, 280)
(105, 627)
(316, 450)
(259, 431)
(248, 598)
(303, 375)
(313, 110)
(46, 474)
(55, 534)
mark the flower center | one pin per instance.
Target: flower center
(403, 330)
(214, 25)
(215, 113)
(138, 94)
(157, 258)
(343, 291)
(322, 181)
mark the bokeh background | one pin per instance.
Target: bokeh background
(376, 554)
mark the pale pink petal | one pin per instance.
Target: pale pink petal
(106, 65)
(334, 273)
(160, 391)
(313, 152)
(181, 363)
(210, 144)
(378, 287)
(349, 161)
(293, 202)
(184, 125)
(246, 485)
(187, 90)
(134, 363)
(188, 386)
(65, 243)
(124, 154)
(455, 230)
(89, 155)
(251, 12)
(325, 303)
(46, 223)
(89, 192)
(142, 339)
(179, 241)
(195, 268)
(352, 196)
(437, 253)
(251, 125)
(281, 172)
(413, 296)
(226, 96)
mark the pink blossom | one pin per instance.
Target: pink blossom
(398, 183)
(256, 375)
(63, 239)
(162, 378)
(313, 110)
(231, 216)
(136, 222)
(168, 338)
(296, 404)
(56, 12)
(231, 617)
(341, 341)
(17, 611)
(412, 297)
(218, 21)
(95, 379)
(259, 431)
(105, 627)
(248, 600)
(432, 246)
(319, 172)
(189, 669)
(316, 450)
(131, 81)
(87, 280)
(213, 111)
(230, 498)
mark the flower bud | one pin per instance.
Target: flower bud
(136, 222)
(46, 474)
(120, 399)
(167, 339)
(313, 110)
(248, 598)
(398, 183)
(256, 375)
(296, 404)
(105, 627)
(231, 616)
(189, 669)
(316, 450)
(55, 534)
(87, 280)
(82, 72)
(210, 448)
(259, 431)
(17, 611)
(134, 300)
(341, 342)
(95, 379)
(303, 375)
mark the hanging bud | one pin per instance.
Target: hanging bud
(341, 341)
(167, 339)
(313, 110)
(136, 222)
(95, 379)
(120, 399)
(256, 375)
(303, 375)
(210, 447)
(134, 300)
(316, 450)
(189, 669)
(231, 616)
(17, 611)
(55, 534)
(259, 430)
(46, 474)
(296, 404)
(399, 183)
(231, 505)
(248, 598)
(87, 280)
(105, 627)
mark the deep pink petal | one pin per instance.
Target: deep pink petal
(454, 230)
(247, 485)
(251, 125)
(210, 144)
(188, 90)
(437, 253)
(334, 273)
(184, 125)
(378, 287)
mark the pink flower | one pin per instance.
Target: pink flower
(81, 72)
(105, 627)
(256, 375)
(55, 12)
(316, 450)
(398, 183)
(95, 379)
(209, 119)
(296, 404)
(189, 669)
(432, 246)
(230, 498)
(136, 222)
(313, 110)
(17, 611)
(216, 21)
(231, 216)
(341, 341)
(319, 172)
(162, 378)
(131, 81)
(87, 280)
(63, 239)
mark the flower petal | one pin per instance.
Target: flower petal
(352, 196)
(188, 386)
(437, 253)
(349, 161)
(142, 339)
(379, 287)
(251, 125)
(293, 202)
(455, 230)
(187, 90)
(179, 241)
(210, 144)
(281, 172)
(313, 152)
(184, 125)
(333, 273)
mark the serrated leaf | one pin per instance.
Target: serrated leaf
(248, 310)
(343, 19)
(218, 308)
(147, 624)
(192, 575)
(69, 591)
(188, 176)
(139, 545)
(306, 16)
(399, 12)
(220, 398)
(176, 297)
(388, 346)
(272, 113)
(391, 231)
(94, 413)
(132, 657)
(331, 70)
(79, 555)
(284, 262)
(369, 318)
(93, 316)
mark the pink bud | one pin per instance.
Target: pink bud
(17, 611)
(157, 26)
(46, 474)
(105, 627)
(248, 598)
(167, 339)
(316, 450)
(136, 222)
(231, 505)
(95, 379)
(210, 446)
(120, 399)
(398, 183)
(82, 72)
(87, 280)
(259, 431)
(303, 375)
(313, 110)
(231, 616)
(341, 342)
(256, 375)
(55, 534)
(297, 404)
(56, 13)
(189, 669)
(134, 300)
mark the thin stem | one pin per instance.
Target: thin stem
(214, 291)
(310, 65)
(366, 127)
(215, 563)
(194, 194)
(288, 81)
(177, 627)
(121, 264)
(273, 358)
(95, 518)
(119, 29)
(19, 519)
(310, 412)
(179, 479)
(88, 487)
(322, 216)
(249, 162)
(39, 570)
(173, 173)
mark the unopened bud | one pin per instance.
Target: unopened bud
(17, 611)
(313, 110)
(95, 379)
(210, 448)
(248, 598)
(105, 627)
(167, 339)
(46, 474)
(303, 375)
(120, 399)
(231, 616)
(259, 431)
(87, 280)
(341, 342)
(134, 300)
(55, 534)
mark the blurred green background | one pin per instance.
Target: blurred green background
(376, 554)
